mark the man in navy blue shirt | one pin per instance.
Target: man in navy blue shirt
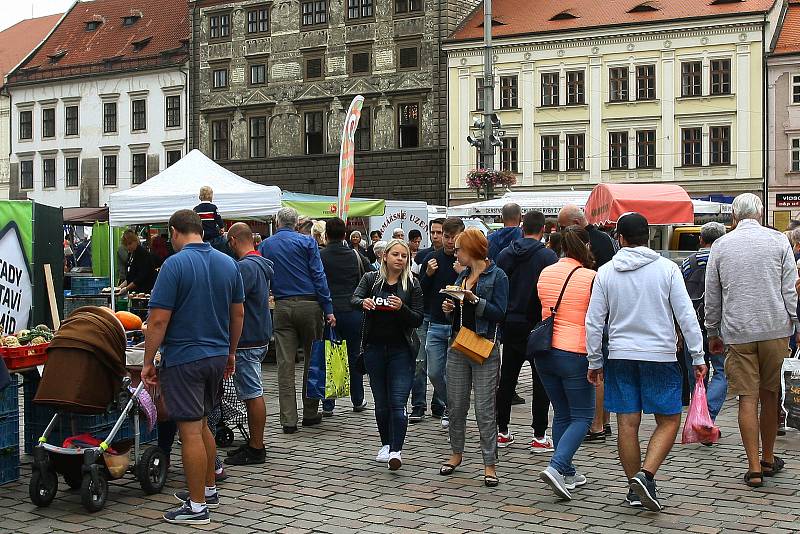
(301, 298)
(500, 239)
(196, 315)
(257, 331)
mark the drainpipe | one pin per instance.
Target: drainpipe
(765, 112)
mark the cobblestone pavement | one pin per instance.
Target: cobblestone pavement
(324, 479)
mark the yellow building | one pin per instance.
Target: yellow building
(627, 91)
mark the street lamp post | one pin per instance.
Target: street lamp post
(488, 87)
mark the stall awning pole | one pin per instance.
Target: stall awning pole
(111, 255)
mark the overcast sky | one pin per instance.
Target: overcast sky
(14, 11)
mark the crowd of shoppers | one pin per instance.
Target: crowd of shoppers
(618, 310)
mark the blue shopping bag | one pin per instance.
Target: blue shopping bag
(315, 385)
(328, 368)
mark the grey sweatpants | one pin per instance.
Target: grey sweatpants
(462, 376)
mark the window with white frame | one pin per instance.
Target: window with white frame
(795, 163)
(71, 171)
(796, 89)
(550, 89)
(576, 152)
(618, 150)
(110, 170)
(26, 174)
(138, 168)
(550, 153)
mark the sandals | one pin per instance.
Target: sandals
(750, 475)
(490, 481)
(448, 469)
(773, 468)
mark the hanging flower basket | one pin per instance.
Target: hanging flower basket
(485, 180)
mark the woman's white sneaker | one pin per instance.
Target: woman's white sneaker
(395, 461)
(383, 455)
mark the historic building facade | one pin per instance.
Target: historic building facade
(636, 92)
(101, 104)
(783, 132)
(272, 82)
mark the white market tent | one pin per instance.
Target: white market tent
(177, 187)
(551, 202)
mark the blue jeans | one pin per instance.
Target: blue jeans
(436, 345)
(391, 373)
(717, 387)
(563, 375)
(419, 391)
(348, 326)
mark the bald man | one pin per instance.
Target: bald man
(256, 333)
(602, 245)
(603, 249)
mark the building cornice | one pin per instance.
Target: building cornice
(533, 43)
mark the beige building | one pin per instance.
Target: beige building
(634, 92)
(783, 134)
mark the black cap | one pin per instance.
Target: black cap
(632, 225)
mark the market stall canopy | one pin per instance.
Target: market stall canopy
(324, 207)
(85, 216)
(548, 202)
(177, 187)
(659, 203)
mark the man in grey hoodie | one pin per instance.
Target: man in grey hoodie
(639, 293)
(751, 309)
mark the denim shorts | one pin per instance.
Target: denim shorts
(247, 377)
(633, 386)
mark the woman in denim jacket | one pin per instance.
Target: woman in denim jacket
(483, 308)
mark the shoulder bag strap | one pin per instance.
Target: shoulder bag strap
(359, 265)
(564, 288)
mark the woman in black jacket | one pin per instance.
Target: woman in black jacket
(392, 302)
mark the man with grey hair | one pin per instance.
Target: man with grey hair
(751, 309)
(500, 239)
(301, 298)
(694, 274)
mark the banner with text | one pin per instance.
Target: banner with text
(16, 252)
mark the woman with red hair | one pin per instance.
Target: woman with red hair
(483, 307)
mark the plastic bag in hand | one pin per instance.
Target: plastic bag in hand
(699, 428)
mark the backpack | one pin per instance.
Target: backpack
(696, 287)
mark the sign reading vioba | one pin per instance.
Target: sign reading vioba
(15, 280)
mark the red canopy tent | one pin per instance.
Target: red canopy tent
(659, 203)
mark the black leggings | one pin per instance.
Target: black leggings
(515, 339)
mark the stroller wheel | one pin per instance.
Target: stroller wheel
(151, 470)
(93, 496)
(43, 487)
(224, 437)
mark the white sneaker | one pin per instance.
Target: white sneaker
(541, 445)
(383, 455)
(395, 461)
(575, 481)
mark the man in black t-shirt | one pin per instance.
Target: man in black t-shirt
(419, 397)
(603, 249)
(438, 271)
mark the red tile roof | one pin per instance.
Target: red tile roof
(521, 17)
(789, 37)
(72, 49)
(17, 41)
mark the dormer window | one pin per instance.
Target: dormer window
(564, 15)
(55, 57)
(130, 20)
(139, 45)
(92, 25)
(720, 2)
(644, 7)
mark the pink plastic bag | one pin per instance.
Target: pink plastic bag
(699, 428)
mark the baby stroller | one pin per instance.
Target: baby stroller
(90, 347)
(231, 413)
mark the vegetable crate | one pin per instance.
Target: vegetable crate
(25, 356)
(89, 285)
(73, 303)
(9, 399)
(9, 444)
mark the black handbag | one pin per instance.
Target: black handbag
(541, 337)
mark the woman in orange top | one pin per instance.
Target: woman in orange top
(563, 368)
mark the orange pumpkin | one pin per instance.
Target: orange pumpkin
(129, 320)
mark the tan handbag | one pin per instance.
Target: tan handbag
(475, 347)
